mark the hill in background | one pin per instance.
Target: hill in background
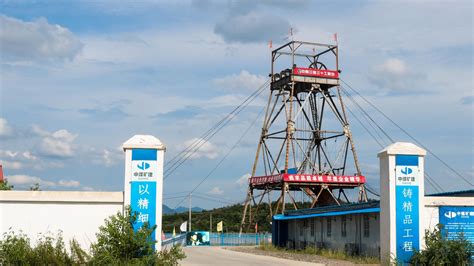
(230, 215)
(180, 209)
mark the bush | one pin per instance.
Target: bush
(442, 251)
(5, 186)
(117, 244)
(15, 249)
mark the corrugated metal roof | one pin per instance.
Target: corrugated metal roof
(461, 193)
(335, 213)
(367, 207)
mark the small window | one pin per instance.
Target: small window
(343, 226)
(328, 229)
(366, 226)
(312, 229)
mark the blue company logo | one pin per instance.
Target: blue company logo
(450, 214)
(407, 171)
(143, 166)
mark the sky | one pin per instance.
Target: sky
(79, 78)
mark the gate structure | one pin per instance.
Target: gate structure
(306, 145)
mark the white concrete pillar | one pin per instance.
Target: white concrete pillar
(143, 190)
(402, 193)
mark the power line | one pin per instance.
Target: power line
(208, 132)
(226, 155)
(226, 120)
(362, 124)
(193, 147)
(371, 190)
(409, 135)
(367, 115)
(431, 181)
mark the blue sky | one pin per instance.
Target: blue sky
(79, 78)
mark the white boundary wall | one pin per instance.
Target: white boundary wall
(77, 214)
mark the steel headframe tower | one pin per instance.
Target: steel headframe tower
(305, 142)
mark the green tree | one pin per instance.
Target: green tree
(5, 186)
(14, 249)
(35, 187)
(442, 251)
(118, 244)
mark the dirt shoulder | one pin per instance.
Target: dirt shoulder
(292, 256)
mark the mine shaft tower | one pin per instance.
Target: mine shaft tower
(306, 145)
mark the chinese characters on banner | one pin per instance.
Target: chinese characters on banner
(143, 201)
(457, 220)
(407, 206)
(143, 186)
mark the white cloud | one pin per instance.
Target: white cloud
(16, 160)
(239, 82)
(393, 66)
(24, 181)
(394, 75)
(14, 165)
(108, 158)
(57, 144)
(252, 27)
(36, 41)
(105, 156)
(206, 150)
(216, 191)
(69, 183)
(243, 180)
(8, 154)
(5, 129)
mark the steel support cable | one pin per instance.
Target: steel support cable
(226, 155)
(367, 115)
(217, 124)
(409, 135)
(366, 119)
(432, 182)
(175, 193)
(381, 146)
(211, 199)
(371, 190)
(190, 153)
(208, 132)
(204, 136)
(197, 148)
(175, 197)
(201, 195)
(362, 124)
(196, 144)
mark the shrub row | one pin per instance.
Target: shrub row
(117, 244)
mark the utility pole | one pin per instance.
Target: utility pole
(189, 212)
(210, 224)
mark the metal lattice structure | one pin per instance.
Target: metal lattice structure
(306, 144)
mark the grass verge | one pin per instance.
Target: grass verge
(327, 253)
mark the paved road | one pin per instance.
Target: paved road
(221, 256)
